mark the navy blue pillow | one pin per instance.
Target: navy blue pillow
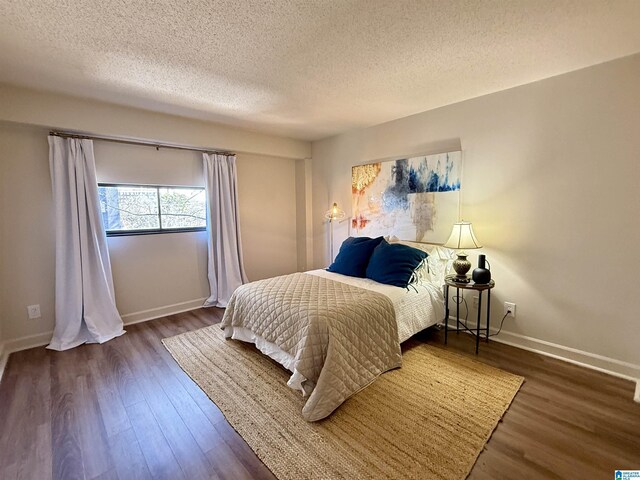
(394, 263)
(354, 255)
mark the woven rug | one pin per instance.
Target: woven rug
(429, 419)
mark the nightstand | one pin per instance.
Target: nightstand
(450, 281)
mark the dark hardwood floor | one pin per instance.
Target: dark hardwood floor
(125, 410)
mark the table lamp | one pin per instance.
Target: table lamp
(462, 238)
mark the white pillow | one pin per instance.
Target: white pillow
(438, 262)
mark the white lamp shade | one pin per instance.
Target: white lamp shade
(462, 237)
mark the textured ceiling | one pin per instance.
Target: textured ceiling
(304, 68)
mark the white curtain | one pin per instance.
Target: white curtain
(85, 302)
(225, 267)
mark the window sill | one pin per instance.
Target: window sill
(129, 233)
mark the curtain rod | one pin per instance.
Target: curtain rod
(128, 141)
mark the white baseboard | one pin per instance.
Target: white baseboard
(26, 342)
(40, 339)
(152, 313)
(611, 366)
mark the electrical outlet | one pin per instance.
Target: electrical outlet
(33, 311)
(475, 302)
(510, 309)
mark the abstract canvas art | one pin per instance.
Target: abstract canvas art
(415, 199)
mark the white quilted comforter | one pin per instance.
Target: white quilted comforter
(341, 337)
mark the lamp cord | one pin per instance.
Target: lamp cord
(501, 323)
(459, 299)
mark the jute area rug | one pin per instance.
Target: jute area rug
(429, 419)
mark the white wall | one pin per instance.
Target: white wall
(155, 270)
(26, 276)
(551, 173)
(21, 105)
(150, 272)
(304, 214)
(267, 197)
(2, 314)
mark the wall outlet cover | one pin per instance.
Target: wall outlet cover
(510, 307)
(33, 311)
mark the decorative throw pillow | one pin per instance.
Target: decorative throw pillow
(394, 263)
(353, 257)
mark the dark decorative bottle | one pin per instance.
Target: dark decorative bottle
(481, 275)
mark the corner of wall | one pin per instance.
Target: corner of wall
(3, 359)
(304, 214)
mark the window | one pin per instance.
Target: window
(146, 209)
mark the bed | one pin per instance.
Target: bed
(335, 333)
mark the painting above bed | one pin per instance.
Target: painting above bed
(415, 198)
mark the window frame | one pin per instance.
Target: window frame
(152, 231)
